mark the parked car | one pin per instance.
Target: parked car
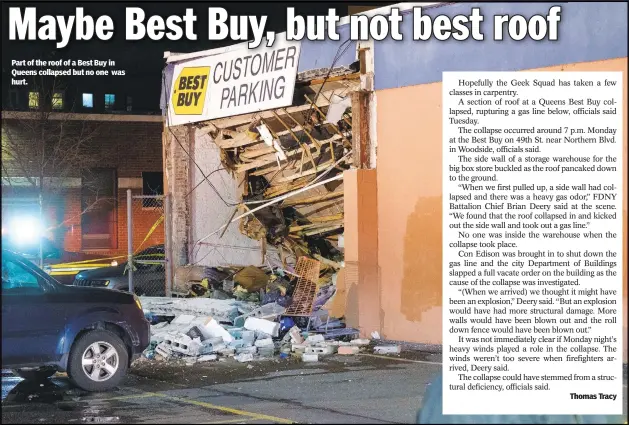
(93, 334)
(149, 277)
(61, 264)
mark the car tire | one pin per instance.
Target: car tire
(36, 374)
(107, 367)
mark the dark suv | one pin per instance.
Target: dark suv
(92, 334)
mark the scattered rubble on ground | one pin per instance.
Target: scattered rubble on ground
(204, 329)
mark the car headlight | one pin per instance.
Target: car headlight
(137, 302)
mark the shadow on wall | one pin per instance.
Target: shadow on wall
(421, 284)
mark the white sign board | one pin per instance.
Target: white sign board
(236, 82)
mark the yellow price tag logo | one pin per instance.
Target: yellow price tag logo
(190, 89)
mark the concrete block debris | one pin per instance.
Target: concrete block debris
(213, 329)
(310, 357)
(268, 311)
(313, 339)
(348, 350)
(244, 357)
(204, 329)
(267, 342)
(322, 351)
(387, 349)
(262, 325)
(250, 350)
(266, 351)
(207, 358)
(299, 348)
(295, 335)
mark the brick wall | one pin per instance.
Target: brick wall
(129, 147)
(177, 175)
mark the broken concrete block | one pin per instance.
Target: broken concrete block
(262, 325)
(348, 350)
(322, 351)
(183, 344)
(313, 339)
(310, 357)
(213, 329)
(295, 335)
(248, 337)
(299, 348)
(267, 342)
(387, 349)
(359, 342)
(266, 351)
(195, 332)
(252, 350)
(183, 319)
(207, 358)
(267, 311)
(163, 349)
(227, 352)
(237, 344)
(244, 357)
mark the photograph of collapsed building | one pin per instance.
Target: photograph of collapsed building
(258, 203)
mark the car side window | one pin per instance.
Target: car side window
(18, 279)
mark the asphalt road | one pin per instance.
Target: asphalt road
(341, 389)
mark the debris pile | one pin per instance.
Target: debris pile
(289, 320)
(291, 153)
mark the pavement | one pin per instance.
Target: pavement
(339, 389)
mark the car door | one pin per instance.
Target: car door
(33, 314)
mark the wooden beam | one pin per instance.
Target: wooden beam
(325, 218)
(240, 139)
(315, 225)
(323, 117)
(346, 77)
(321, 230)
(270, 157)
(312, 139)
(306, 173)
(360, 130)
(312, 199)
(327, 262)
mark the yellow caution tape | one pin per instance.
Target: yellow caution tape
(148, 235)
(64, 269)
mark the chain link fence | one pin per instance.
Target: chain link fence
(148, 269)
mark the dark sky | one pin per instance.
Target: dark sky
(129, 52)
(143, 59)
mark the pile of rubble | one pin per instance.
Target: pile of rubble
(200, 339)
(252, 314)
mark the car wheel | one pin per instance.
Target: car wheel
(36, 373)
(98, 361)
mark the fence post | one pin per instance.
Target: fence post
(168, 246)
(130, 239)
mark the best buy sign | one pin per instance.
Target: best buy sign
(189, 91)
(236, 81)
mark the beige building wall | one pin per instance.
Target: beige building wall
(409, 122)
